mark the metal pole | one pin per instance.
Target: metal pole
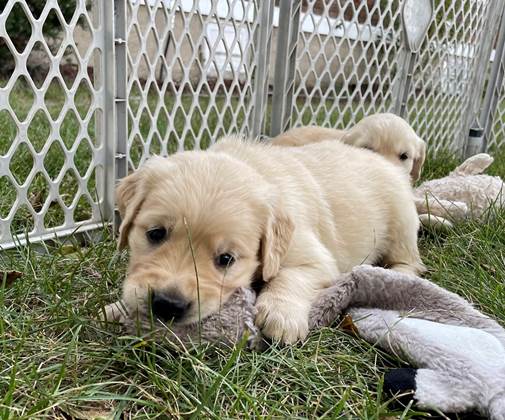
(285, 63)
(405, 75)
(263, 37)
(494, 85)
(478, 119)
(120, 98)
(109, 136)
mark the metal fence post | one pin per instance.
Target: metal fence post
(120, 99)
(285, 62)
(115, 102)
(481, 111)
(416, 17)
(495, 81)
(263, 40)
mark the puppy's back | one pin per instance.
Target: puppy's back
(330, 162)
(347, 195)
(333, 169)
(300, 136)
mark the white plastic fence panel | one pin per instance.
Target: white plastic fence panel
(445, 83)
(347, 60)
(192, 68)
(497, 139)
(51, 120)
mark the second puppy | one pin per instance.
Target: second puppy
(384, 133)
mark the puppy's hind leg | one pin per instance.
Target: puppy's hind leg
(402, 253)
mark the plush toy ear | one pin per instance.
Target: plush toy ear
(354, 137)
(275, 242)
(129, 197)
(474, 165)
(419, 158)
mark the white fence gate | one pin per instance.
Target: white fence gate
(125, 79)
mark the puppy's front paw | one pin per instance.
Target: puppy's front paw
(282, 320)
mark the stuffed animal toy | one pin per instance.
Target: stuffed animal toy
(458, 353)
(234, 321)
(464, 194)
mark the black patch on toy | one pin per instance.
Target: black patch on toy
(401, 384)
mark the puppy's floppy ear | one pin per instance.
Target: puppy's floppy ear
(419, 158)
(352, 137)
(129, 197)
(361, 136)
(276, 239)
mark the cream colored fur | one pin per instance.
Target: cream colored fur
(297, 217)
(301, 136)
(384, 133)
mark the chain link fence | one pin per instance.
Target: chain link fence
(93, 88)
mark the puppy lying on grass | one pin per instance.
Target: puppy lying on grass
(201, 224)
(386, 134)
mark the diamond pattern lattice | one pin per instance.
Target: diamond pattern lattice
(196, 70)
(444, 75)
(49, 146)
(497, 132)
(192, 68)
(347, 60)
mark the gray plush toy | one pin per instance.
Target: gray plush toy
(458, 353)
(233, 322)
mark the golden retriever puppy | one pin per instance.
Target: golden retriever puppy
(199, 224)
(386, 134)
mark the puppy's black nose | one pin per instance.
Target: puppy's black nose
(168, 306)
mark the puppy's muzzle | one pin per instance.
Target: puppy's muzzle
(169, 306)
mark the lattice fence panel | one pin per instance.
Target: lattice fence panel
(51, 119)
(192, 68)
(347, 60)
(497, 134)
(444, 75)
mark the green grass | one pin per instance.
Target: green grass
(56, 362)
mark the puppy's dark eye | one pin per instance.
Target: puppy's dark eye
(404, 156)
(156, 235)
(224, 260)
